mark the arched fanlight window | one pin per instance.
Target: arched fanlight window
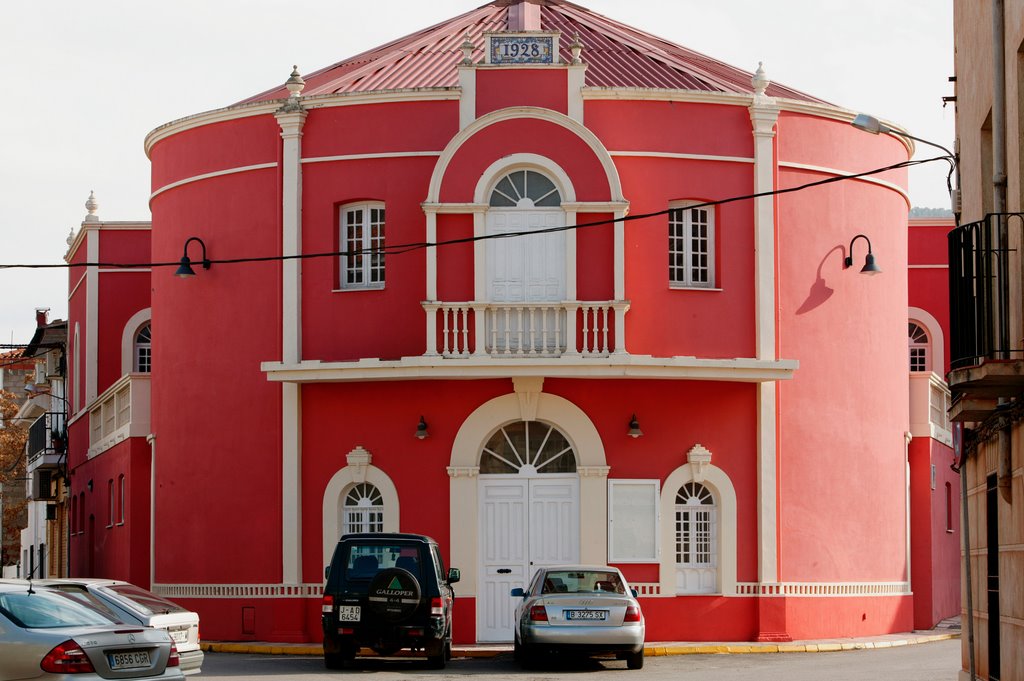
(918, 338)
(144, 349)
(528, 447)
(525, 189)
(364, 510)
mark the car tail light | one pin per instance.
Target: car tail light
(327, 606)
(67, 658)
(538, 613)
(632, 614)
(174, 660)
(436, 606)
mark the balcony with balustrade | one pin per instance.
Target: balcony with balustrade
(121, 412)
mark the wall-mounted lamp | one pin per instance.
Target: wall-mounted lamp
(870, 266)
(634, 428)
(185, 268)
(421, 430)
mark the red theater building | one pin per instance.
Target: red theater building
(489, 285)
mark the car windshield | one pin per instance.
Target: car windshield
(41, 609)
(146, 601)
(80, 594)
(365, 561)
(582, 581)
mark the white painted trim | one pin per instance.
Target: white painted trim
(465, 461)
(767, 483)
(718, 482)
(118, 270)
(92, 315)
(131, 328)
(819, 589)
(928, 267)
(243, 591)
(576, 77)
(937, 342)
(467, 96)
(577, 206)
(334, 499)
(364, 157)
(512, 162)
(527, 112)
(207, 176)
(681, 157)
(291, 483)
(333, 99)
(833, 171)
(625, 366)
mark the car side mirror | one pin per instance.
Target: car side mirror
(327, 572)
(454, 575)
(518, 592)
(636, 594)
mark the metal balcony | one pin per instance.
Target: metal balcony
(47, 440)
(986, 363)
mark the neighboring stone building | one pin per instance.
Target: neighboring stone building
(987, 345)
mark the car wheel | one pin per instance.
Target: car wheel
(438, 655)
(635, 660)
(394, 594)
(334, 661)
(517, 651)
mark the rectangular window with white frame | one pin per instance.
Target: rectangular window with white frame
(120, 499)
(691, 246)
(633, 521)
(362, 246)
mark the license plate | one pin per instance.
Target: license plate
(348, 613)
(129, 660)
(586, 614)
(179, 636)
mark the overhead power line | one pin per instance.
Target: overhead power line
(399, 249)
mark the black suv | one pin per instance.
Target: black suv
(387, 592)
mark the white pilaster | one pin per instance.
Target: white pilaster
(576, 76)
(291, 117)
(92, 312)
(467, 100)
(619, 238)
(764, 114)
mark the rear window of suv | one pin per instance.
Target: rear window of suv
(366, 560)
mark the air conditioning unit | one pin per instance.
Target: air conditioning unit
(42, 484)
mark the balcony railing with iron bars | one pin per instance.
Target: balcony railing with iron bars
(979, 289)
(47, 437)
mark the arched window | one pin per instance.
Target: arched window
(918, 339)
(525, 189)
(363, 510)
(144, 349)
(528, 447)
(696, 527)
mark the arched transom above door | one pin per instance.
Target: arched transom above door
(525, 188)
(527, 448)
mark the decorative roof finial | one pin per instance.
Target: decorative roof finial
(71, 237)
(295, 84)
(576, 47)
(760, 80)
(467, 51)
(92, 205)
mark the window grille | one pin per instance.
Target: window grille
(362, 239)
(144, 349)
(695, 526)
(918, 339)
(691, 258)
(528, 447)
(363, 510)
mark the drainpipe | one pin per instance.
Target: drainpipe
(965, 531)
(1004, 465)
(151, 439)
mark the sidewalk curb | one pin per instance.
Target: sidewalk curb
(650, 649)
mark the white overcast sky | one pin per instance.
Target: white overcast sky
(87, 80)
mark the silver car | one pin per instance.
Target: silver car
(125, 602)
(47, 635)
(580, 609)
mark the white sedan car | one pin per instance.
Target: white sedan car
(125, 602)
(579, 609)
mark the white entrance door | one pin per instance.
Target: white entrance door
(525, 523)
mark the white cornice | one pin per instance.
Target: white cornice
(124, 225)
(833, 171)
(628, 366)
(363, 157)
(207, 176)
(237, 111)
(684, 157)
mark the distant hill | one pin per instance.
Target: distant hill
(919, 212)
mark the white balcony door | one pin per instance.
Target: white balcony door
(528, 268)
